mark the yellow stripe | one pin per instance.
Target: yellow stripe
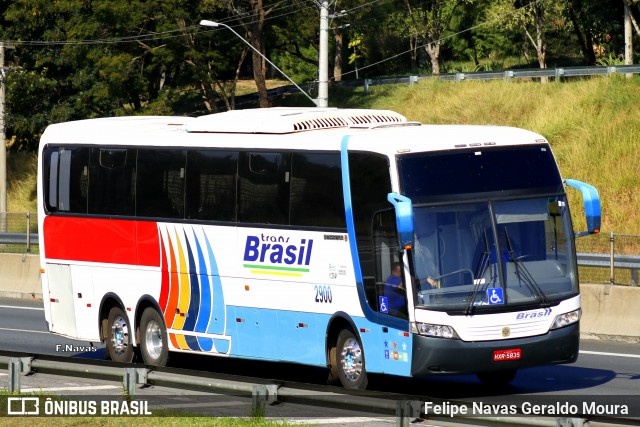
(275, 273)
(185, 288)
(182, 342)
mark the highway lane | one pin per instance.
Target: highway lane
(603, 368)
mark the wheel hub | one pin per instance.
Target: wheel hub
(153, 339)
(352, 362)
(119, 335)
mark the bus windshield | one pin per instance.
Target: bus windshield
(493, 234)
(493, 254)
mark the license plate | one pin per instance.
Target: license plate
(510, 354)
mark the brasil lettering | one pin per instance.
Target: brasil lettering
(535, 314)
(277, 255)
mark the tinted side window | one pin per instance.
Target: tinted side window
(211, 185)
(112, 181)
(370, 184)
(160, 183)
(263, 195)
(316, 190)
(66, 174)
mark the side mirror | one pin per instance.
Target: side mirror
(404, 218)
(591, 205)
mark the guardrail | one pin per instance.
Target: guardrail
(631, 262)
(556, 73)
(263, 392)
(530, 73)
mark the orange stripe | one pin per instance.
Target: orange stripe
(170, 314)
(185, 288)
(174, 341)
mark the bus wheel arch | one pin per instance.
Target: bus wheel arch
(345, 353)
(151, 333)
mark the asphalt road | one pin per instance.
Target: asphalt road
(610, 370)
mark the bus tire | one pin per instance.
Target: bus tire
(153, 338)
(498, 378)
(350, 361)
(118, 335)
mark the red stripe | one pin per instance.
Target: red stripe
(164, 289)
(102, 240)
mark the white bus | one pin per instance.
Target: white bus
(350, 239)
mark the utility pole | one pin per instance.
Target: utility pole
(323, 63)
(3, 146)
(628, 37)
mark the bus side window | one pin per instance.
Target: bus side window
(160, 183)
(211, 185)
(388, 264)
(264, 188)
(68, 177)
(112, 181)
(316, 190)
(370, 183)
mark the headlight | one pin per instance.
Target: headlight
(430, 330)
(566, 319)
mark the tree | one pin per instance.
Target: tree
(426, 24)
(533, 19)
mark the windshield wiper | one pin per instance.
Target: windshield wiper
(523, 274)
(479, 285)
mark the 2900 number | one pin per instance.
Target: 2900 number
(323, 293)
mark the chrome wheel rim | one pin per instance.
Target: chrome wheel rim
(352, 360)
(120, 335)
(153, 339)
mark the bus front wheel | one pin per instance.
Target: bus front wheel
(350, 361)
(118, 335)
(153, 338)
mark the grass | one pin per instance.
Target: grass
(160, 417)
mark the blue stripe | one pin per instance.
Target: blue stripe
(204, 314)
(194, 303)
(217, 321)
(206, 344)
(192, 342)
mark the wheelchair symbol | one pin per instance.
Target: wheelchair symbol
(494, 296)
(384, 305)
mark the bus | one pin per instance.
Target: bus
(272, 234)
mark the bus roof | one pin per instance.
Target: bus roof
(380, 131)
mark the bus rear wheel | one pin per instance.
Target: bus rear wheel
(153, 338)
(118, 336)
(350, 361)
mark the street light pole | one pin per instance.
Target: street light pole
(207, 23)
(3, 145)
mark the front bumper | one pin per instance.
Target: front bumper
(432, 356)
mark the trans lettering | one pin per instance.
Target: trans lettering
(275, 250)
